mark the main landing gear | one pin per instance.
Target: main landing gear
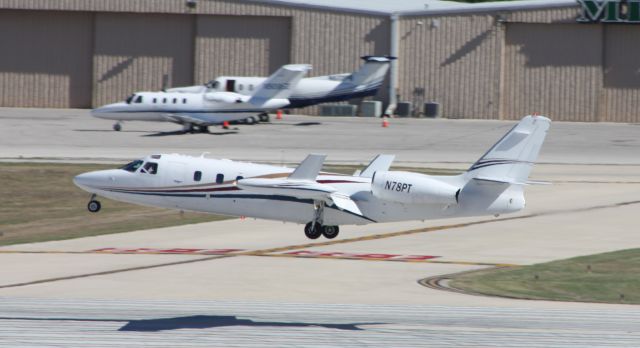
(94, 206)
(315, 228)
(314, 231)
(117, 127)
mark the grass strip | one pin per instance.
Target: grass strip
(612, 277)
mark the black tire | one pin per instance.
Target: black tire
(250, 120)
(94, 206)
(330, 232)
(264, 117)
(312, 233)
(117, 127)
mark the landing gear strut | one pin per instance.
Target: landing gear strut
(315, 228)
(94, 206)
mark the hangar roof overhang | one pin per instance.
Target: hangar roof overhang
(419, 7)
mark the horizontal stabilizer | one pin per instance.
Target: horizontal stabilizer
(309, 168)
(345, 203)
(505, 181)
(380, 163)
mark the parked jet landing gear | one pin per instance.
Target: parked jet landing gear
(117, 127)
(263, 117)
(94, 206)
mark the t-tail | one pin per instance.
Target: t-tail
(494, 183)
(371, 74)
(280, 85)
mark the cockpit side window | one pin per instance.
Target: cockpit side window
(133, 166)
(139, 99)
(150, 168)
(130, 98)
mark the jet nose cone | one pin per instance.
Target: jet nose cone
(91, 180)
(83, 180)
(107, 110)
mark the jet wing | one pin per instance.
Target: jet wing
(301, 184)
(204, 118)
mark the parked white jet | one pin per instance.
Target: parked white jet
(209, 108)
(493, 185)
(312, 90)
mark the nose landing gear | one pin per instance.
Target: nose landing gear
(117, 127)
(94, 205)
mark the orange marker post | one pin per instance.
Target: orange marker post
(279, 114)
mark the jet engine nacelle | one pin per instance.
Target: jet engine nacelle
(225, 97)
(412, 188)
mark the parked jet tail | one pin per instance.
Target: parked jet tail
(372, 72)
(511, 159)
(280, 84)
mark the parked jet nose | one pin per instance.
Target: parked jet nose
(109, 111)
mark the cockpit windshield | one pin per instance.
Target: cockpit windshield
(139, 99)
(133, 166)
(130, 98)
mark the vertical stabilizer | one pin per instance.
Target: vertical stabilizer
(372, 72)
(511, 159)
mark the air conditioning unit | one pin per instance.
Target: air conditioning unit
(338, 110)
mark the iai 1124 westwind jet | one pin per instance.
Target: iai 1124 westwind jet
(323, 201)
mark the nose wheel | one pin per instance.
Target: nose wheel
(117, 127)
(94, 205)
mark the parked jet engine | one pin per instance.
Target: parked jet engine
(412, 188)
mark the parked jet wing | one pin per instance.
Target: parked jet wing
(204, 118)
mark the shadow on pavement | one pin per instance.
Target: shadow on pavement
(164, 134)
(213, 321)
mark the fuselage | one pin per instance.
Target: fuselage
(169, 106)
(210, 185)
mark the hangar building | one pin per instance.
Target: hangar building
(574, 61)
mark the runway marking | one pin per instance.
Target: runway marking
(277, 252)
(174, 251)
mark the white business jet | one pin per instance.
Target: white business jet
(323, 201)
(311, 90)
(206, 109)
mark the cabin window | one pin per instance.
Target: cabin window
(197, 175)
(239, 177)
(155, 100)
(150, 168)
(184, 100)
(240, 87)
(164, 100)
(175, 100)
(132, 166)
(250, 87)
(219, 178)
(138, 100)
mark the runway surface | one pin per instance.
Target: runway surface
(74, 134)
(262, 283)
(108, 323)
